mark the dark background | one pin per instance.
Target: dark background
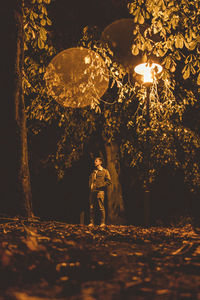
(64, 200)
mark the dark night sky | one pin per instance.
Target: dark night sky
(70, 17)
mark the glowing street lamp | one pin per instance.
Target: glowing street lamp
(148, 71)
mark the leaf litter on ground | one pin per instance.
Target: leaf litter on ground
(54, 260)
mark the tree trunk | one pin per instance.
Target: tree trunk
(20, 117)
(115, 214)
(16, 188)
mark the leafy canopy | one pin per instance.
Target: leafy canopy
(165, 29)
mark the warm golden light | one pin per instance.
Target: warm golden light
(148, 71)
(77, 77)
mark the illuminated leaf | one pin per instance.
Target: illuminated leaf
(186, 71)
(179, 41)
(161, 52)
(198, 79)
(167, 62)
(140, 19)
(173, 68)
(41, 44)
(135, 50)
(43, 22)
(49, 21)
(43, 33)
(192, 45)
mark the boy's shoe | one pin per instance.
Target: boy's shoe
(102, 225)
(91, 224)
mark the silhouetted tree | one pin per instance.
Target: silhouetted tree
(16, 187)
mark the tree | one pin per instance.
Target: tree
(177, 24)
(17, 17)
(20, 116)
(16, 184)
(171, 33)
(170, 143)
(121, 122)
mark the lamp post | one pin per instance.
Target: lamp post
(148, 71)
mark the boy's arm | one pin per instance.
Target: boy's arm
(107, 178)
(90, 180)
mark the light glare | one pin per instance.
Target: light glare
(148, 71)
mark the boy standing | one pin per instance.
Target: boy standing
(99, 180)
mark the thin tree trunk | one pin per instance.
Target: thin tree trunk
(115, 214)
(20, 117)
(15, 186)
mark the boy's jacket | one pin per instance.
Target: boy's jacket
(99, 180)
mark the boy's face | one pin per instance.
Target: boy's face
(97, 162)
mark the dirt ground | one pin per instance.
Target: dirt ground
(52, 260)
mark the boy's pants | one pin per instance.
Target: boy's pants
(97, 201)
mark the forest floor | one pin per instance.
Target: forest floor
(51, 260)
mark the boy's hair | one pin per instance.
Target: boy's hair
(99, 158)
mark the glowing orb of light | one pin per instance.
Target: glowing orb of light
(148, 71)
(77, 77)
(119, 36)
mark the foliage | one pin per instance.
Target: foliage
(176, 24)
(164, 141)
(120, 90)
(74, 126)
(37, 52)
(168, 30)
(35, 22)
(172, 34)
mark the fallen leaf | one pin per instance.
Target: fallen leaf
(162, 292)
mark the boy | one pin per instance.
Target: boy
(99, 180)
